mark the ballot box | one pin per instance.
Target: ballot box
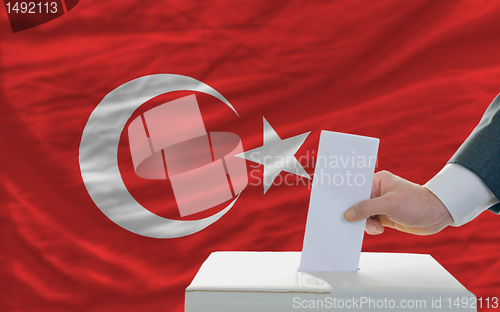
(271, 282)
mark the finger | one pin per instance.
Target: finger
(376, 192)
(380, 179)
(370, 207)
(373, 226)
(384, 221)
(388, 223)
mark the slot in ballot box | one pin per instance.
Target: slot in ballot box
(271, 282)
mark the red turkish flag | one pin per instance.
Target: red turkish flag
(418, 75)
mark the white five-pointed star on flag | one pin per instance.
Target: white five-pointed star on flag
(277, 155)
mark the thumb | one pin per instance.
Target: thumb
(367, 208)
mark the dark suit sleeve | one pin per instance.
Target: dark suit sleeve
(480, 153)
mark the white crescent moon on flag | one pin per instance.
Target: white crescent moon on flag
(99, 149)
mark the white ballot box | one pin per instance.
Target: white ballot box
(271, 282)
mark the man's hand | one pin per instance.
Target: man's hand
(402, 205)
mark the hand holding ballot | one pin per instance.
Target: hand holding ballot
(468, 185)
(402, 205)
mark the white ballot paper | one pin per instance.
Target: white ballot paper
(343, 176)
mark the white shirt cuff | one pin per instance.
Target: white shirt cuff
(462, 192)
